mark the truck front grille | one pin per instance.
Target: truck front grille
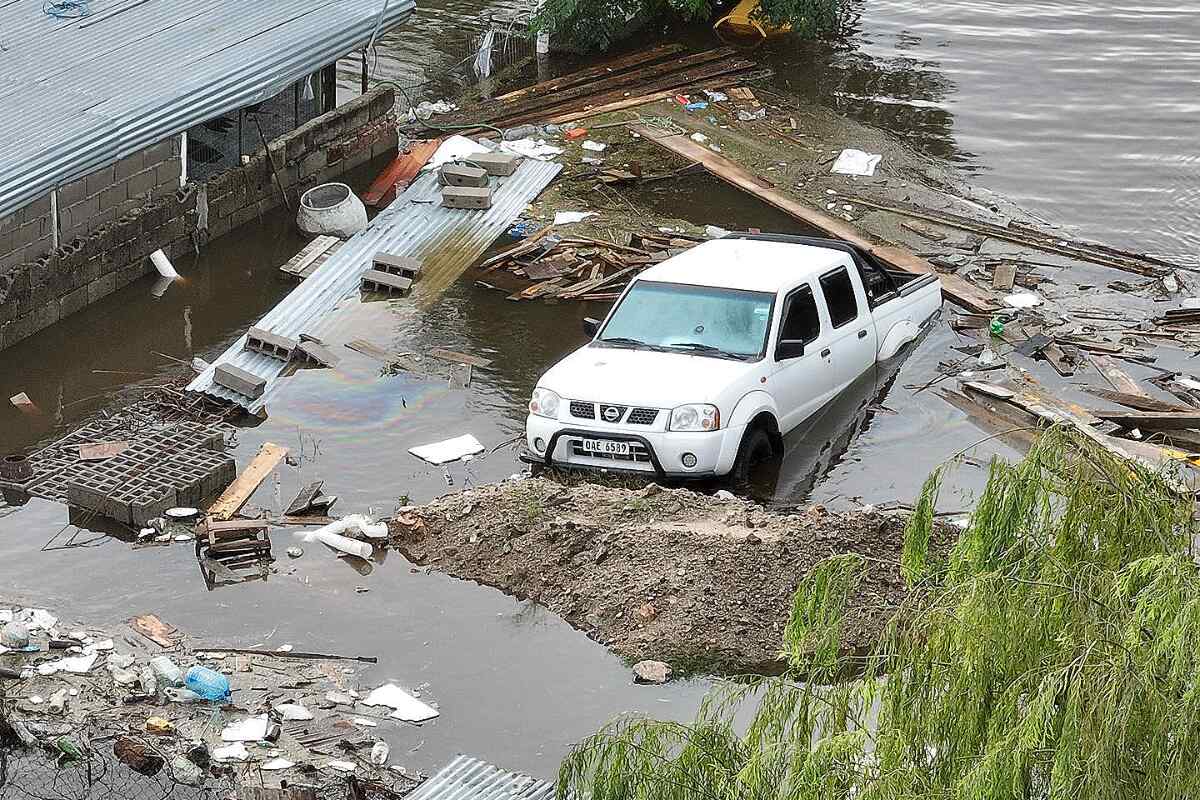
(642, 416)
(583, 410)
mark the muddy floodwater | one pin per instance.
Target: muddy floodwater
(1083, 113)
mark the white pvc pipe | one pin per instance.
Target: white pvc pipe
(163, 265)
(183, 159)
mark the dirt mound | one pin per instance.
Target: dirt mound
(700, 582)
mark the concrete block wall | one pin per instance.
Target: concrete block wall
(96, 260)
(102, 197)
(26, 233)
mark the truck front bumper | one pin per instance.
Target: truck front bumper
(659, 453)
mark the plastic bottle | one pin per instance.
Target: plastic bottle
(181, 695)
(166, 671)
(208, 683)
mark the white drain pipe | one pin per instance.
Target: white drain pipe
(163, 265)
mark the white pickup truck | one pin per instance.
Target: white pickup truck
(710, 357)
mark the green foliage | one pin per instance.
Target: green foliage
(1054, 654)
(594, 25)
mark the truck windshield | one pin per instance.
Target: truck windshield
(704, 320)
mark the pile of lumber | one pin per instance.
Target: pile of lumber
(624, 82)
(580, 268)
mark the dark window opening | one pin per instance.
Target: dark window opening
(801, 323)
(839, 296)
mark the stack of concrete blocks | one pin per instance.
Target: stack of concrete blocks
(179, 464)
(465, 185)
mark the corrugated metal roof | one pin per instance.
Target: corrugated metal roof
(467, 778)
(80, 94)
(446, 241)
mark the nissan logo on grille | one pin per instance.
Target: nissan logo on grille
(611, 413)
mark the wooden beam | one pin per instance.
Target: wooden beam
(1119, 378)
(1139, 402)
(592, 73)
(403, 169)
(956, 288)
(234, 497)
(1152, 420)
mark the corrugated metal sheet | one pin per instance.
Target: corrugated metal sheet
(80, 94)
(467, 778)
(446, 241)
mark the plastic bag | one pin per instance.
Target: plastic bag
(208, 683)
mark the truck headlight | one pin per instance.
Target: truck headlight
(695, 417)
(544, 403)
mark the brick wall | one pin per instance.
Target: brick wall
(138, 217)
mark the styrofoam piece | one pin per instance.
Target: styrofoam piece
(404, 706)
(444, 452)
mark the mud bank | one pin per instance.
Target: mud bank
(700, 582)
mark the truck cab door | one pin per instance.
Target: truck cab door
(803, 377)
(852, 339)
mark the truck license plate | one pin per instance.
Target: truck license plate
(605, 447)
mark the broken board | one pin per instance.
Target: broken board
(233, 498)
(155, 630)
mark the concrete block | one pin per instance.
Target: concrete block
(313, 163)
(71, 193)
(73, 302)
(466, 197)
(102, 287)
(103, 217)
(161, 152)
(113, 196)
(37, 208)
(142, 184)
(239, 380)
(166, 174)
(375, 281)
(46, 315)
(99, 180)
(403, 266)
(499, 164)
(127, 167)
(463, 175)
(270, 344)
(27, 234)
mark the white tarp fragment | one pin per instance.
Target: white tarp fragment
(78, 665)
(278, 763)
(856, 162)
(293, 711)
(342, 766)
(35, 619)
(440, 453)
(252, 729)
(528, 148)
(595, 147)
(404, 706)
(1023, 300)
(456, 148)
(571, 217)
(234, 752)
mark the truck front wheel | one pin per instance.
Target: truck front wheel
(756, 449)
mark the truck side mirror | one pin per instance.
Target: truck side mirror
(789, 348)
(591, 327)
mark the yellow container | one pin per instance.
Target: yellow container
(741, 22)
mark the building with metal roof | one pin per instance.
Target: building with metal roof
(126, 121)
(81, 93)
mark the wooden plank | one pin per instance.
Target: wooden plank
(233, 498)
(300, 262)
(591, 73)
(1004, 276)
(101, 450)
(616, 105)
(234, 525)
(1119, 378)
(955, 287)
(459, 358)
(403, 169)
(155, 630)
(374, 351)
(304, 498)
(526, 245)
(1152, 420)
(1137, 402)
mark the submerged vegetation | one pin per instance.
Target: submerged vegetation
(592, 25)
(1053, 654)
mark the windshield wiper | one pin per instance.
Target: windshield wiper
(625, 341)
(708, 348)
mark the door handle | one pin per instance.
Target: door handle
(825, 353)
(862, 334)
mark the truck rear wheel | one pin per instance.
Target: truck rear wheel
(756, 449)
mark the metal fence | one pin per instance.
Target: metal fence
(219, 144)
